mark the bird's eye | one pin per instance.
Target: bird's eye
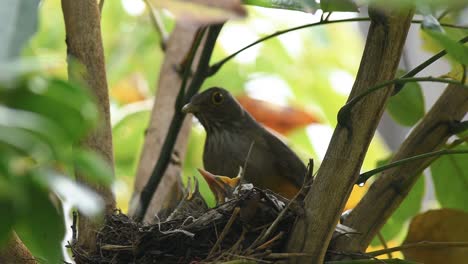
(217, 98)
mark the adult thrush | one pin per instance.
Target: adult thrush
(235, 139)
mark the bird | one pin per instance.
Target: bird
(192, 205)
(234, 139)
(222, 187)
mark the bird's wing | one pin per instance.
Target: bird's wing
(285, 160)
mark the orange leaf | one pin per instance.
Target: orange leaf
(444, 225)
(282, 119)
(129, 90)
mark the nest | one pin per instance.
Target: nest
(252, 226)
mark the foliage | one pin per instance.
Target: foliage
(41, 117)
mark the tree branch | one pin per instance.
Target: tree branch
(176, 123)
(348, 146)
(83, 37)
(169, 85)
(392, 186)
(216, 66)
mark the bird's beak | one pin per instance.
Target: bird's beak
(190, 108)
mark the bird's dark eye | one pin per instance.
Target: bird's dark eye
(217, 98)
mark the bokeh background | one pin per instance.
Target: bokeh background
(307, 74)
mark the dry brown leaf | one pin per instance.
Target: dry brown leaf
(203, 12)
(444, 225)
(282, 119)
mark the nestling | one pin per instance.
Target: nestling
(231, 132)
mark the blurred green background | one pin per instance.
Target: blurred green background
(311, 69)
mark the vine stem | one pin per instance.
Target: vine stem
(345, 110)
(366, 175)
(422, 244)
(215, 67)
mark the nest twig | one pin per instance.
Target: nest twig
(242, 220)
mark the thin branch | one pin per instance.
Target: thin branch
(176, 123)
(346, 109)
(225, 231)
(422, 244)
(384, 244)
(216, 66)
(424, 65)
(158, 24)
(366, 175)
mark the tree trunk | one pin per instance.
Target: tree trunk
(351, 138)
(83, 37)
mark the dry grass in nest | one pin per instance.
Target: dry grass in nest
(250, 227)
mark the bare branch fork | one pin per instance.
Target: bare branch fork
(393, 185)
(198, 78)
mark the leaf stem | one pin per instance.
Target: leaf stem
(366, 175)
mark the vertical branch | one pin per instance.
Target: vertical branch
(83, 37)
(340, 168)
(168, 192)
(166, 151)
(392, 186)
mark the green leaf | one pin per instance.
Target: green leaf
(338, 5)
(128, 136)
(407, 106)
(450, 176)
(41, 226)
(92, 166)
(66, 104)
(410, 206)
(7, 207)
(305, 5)
(456, 50)
(77, 195)
(25, 143)
(19, 22)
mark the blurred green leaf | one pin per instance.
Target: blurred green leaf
(7, 207)
(41, 226)
(128, 136)
(457, 51)
(67, 104)
(19, 22)
(410, 206)
(299, 5)
(80, 196)
(407, 106)
(25, 143)
(92, 166)
(338, 5)
(450, 176)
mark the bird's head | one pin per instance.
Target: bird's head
(215, 108)
(222, 187)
